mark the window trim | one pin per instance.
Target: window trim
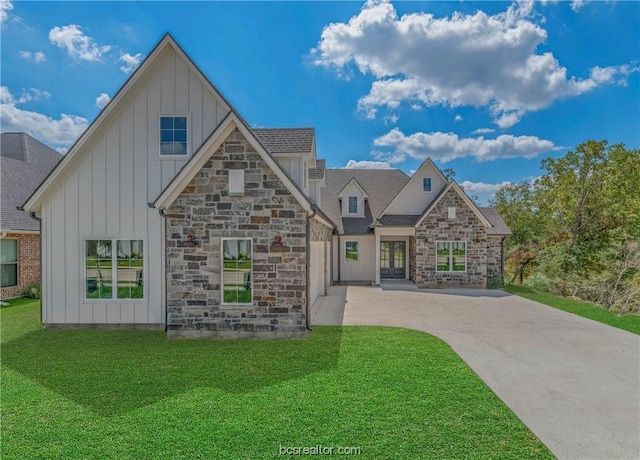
(349, 204)
(357, 259)
(450, 270)
(83, 280)
(423, 184)
(174, 114)
(234, 304)
(16, 263)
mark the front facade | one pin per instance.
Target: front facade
(171, 212)
(25, 162)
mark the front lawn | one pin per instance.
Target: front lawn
(393, 393)
(629, 322)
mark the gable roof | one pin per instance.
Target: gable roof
(499, 225)
(24, 162)
(381, 186)
(453, 185)
(290, 141)
(354, 181)
(34, 201)
(318, 172)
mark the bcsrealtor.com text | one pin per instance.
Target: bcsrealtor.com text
(319, 450)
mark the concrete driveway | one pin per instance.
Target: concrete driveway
(574, 382)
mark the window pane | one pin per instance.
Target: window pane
(180, 135)
(173, 135)
(458, 250)
(236, 271)
(384, 255)
(8, 250)
(130, 269)
(442, 256)
(166, 136)
(180, 123)
(353, 205)
(180, 148)
(426, 184)
(398, 255)
(166, 122)
(351, 250)
(98, 275)
(9, 275)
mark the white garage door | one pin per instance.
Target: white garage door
(317, 270)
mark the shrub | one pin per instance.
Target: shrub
(540, 282)
(32, 291)
(495, 282)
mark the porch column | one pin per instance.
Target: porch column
(377, 257)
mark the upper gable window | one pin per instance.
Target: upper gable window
(353, 205)
(173, 135)
(426, 184)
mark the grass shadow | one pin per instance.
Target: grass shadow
(115, 372)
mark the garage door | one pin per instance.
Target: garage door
(317, 270)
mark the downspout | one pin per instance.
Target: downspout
(39, 220)
(308, 267)
(166, 305)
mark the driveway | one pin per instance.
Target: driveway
(574, 382)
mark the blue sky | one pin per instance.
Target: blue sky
(485, 88)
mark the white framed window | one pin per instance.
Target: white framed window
(237, 266)
(451, 256)
(174, 135)
(236, 182)
(113, 269)
(8, 262)
(426, 184)
(353, 205)
(351, 251)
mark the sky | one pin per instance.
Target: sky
(487, 89)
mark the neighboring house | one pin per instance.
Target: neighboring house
(423, 228)
(171, 212)
(24, 162)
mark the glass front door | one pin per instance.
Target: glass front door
(392, 260)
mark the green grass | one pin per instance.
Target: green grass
(105, 292)
(395, 393)
(629, 323)
(237, 296)
(243, 265)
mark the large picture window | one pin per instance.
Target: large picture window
(173, 135)
(9, 262)
(236, 271)
(351, 251)
(114, 269)
(451, 256)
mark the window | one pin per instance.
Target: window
(9, 262)
(110, 261)
(173, 135)
(353, 205)
(236, 182)
(351, 251)
(451, 256)
(236, 271)
(426, 184)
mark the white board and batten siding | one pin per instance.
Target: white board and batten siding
(106, 190)
(317, 270)
(295, 168)
(412, 199)
(364, 268)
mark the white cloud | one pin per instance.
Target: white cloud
(63, 131)
(482, 61)
(391, 119)
(364, 164)
(577, 4)
(483, 131)
(78, 45)
(481, 187)
(27, 95)
(458, 118)
(37, 56)
(102, 100)
(129, 62)
(448, 146)
(5, 7)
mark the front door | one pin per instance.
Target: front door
(392, 263)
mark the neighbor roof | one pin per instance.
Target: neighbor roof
(318, 171)
(499, 225)
(381, 185)
(286, 140)
(25, 162)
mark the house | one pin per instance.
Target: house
(24, 163)
(171, 212)
(422, 228)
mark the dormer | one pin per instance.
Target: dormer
(352, 198)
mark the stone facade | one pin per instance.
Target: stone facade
(495, 256)
(437, 226)
(412, 258)
(28, 263)
(265, 211)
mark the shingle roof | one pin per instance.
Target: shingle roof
(380, 184)
(318, 171)
(25, 162)
(499, 225)
(407, 220)
(286, 140)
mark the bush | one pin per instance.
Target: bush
(32, 291)
(495, 282)
(540, 282)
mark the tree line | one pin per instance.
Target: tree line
(576, 228)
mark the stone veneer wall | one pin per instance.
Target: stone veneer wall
(412, 258)
(494, 256)
(28, 263)
(438, 227)
(266, 210)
